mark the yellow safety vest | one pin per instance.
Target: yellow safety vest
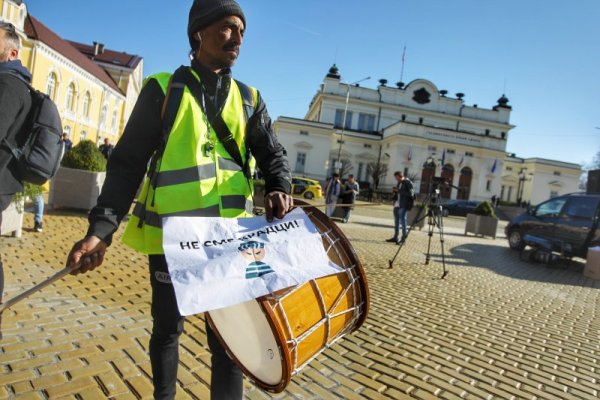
(191, 182)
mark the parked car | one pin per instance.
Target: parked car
(459, 207)
(307, 188)
(568, 221)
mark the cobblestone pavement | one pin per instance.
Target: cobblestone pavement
(495, 328)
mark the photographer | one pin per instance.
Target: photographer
(403, 201)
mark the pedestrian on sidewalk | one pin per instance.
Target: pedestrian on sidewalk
(215, 32)
(15, 103)
(349, 193)
(332, 193)
(403, 192)
(38, 207)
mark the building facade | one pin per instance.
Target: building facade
(420, 130)
(93, 90)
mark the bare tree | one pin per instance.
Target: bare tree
(346, 168)
(376, 171)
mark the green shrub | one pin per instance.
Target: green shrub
(85, 156)
(30, 191)
(486, 209)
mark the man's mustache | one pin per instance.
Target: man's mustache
(232, 47)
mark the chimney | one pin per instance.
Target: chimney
(98, 49)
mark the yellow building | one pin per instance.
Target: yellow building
(533, 180)
(94, 88)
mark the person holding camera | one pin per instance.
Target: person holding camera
(403, 196)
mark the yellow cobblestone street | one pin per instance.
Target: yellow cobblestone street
(495, 328)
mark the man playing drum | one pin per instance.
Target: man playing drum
(193, 172)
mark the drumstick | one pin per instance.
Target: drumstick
(38, 287)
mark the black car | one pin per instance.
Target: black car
(459, 207)
(569, 221)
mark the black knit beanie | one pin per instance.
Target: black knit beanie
(205, 12)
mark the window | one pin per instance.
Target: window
(581, 208)
(70, 100)
(487, 132)
(368, 146)
(550, 208)
(113, 123)
(82, 135)
(366, 122)
(503, 135)
(339, 115)
(103, 115)
(557, 173)
(87, 101)
(450, 151)
(304, 133)
(403, 117)
(406, 171)
(468, 154)
(509, 168)
(51, 86)
(488, 185)
(360, 171)
(67, 130)
(431, 149)
(300, 162)
(421, 121)
(553, 193)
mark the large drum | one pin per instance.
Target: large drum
(273, 337)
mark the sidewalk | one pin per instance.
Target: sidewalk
(496, 327)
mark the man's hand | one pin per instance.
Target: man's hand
(90, 251)
(277, 204)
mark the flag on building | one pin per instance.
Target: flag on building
(494, 166)
(409, 154)
(462, 159)
(444, 158)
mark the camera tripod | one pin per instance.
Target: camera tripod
(434, 220)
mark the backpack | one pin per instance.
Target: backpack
(39, 157)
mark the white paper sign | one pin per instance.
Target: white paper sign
(219, 262)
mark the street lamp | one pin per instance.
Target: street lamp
(338, 163)
(521, 187)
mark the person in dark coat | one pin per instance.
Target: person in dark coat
(215, 32)
(15, 103)
(349, 193)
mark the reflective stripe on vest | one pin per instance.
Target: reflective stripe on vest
(188, 181)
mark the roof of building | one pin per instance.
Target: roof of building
(38, 31)
(108, 56)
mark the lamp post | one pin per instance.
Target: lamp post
(338, 163)
(521, 187)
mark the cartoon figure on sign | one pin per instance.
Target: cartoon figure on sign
(254, 253)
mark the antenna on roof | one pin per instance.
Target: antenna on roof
(402, 69)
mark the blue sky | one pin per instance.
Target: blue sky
(544, 55)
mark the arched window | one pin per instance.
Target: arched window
(103, 115)
(87, 101)
(70, 100)
(67, 130)
(51, 85)
(82, 135)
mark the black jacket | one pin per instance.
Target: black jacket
(15, 103)
(128, 162)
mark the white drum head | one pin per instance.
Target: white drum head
(249, 338)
